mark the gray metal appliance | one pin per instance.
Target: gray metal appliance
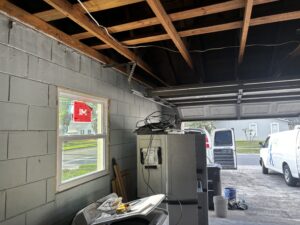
(175, 165)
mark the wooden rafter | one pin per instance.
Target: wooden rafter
(27, 18)
(245, 29)
(166, 22)
(213, 29)
(82, 20)
(187, 14)
(91, 5)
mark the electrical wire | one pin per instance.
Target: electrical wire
(176, 51)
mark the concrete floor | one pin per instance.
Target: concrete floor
(270, 200)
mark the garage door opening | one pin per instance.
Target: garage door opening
(256, 179)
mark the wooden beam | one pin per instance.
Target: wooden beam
(38, 24)
(91, 5)
(82, 20)
(213, 29)
(166, 22)
(187, 14)
(245, 29)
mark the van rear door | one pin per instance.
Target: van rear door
(224, 148)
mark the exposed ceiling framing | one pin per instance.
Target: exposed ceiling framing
(168, 24)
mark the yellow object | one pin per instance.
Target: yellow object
(122, 208)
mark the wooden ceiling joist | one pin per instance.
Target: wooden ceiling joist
(187, 14)
(91, 5)
(38, 24)
(245, 29)
(166, 22)
(213, 29)
(82, 20)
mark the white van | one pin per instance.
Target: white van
(281, 153)
(224, 151)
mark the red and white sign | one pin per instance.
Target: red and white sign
(82, 112)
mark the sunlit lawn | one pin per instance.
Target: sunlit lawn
(250, 147)
(83, 169)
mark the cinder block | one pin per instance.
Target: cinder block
(13, 61)
(18, 220)
(13, 116)
(65, 56)
(113, 106)
(130, 123)
(42, 70)
(41, 167)
(52, 96)
(12, 173)
(4, 86)
(2, 205)
(51, 189)
(116, 122)
(3, 145)
(4, 29)
(116, 137)
(129, 137)
(42, 215)
(28, 92)
(52, 136)
(24, 198)
(123, 109)
(85, 65)
(96, 70)
(42, 118)
(27, 143)
(22, 37)
(134, 110)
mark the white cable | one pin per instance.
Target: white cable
(176, 51)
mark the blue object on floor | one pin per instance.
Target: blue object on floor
(230, 193)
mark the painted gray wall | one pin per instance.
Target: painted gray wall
(263, 127)
(32, 66)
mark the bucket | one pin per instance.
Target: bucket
(221, 206)
(230, 193)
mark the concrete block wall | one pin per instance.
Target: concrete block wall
(32, 67)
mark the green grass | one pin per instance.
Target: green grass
(83, 169)
(249, 147)
(78, 144)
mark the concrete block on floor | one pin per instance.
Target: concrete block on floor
(2, 205)
(22, 36)
(16, 175)
(24, 198)
(41, 215)
(28, 92)
(65, 56)
(3, 145)
(41, 118)
(13, 61)
(27, 143)
(4, 27)
(18, 220)
(51, 189)
(52, 142)
(41, 167)
(13, 116)
(52, 96)
(4, 86)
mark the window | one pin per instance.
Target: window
(223, 138)
(253, 129)
(274, 128)
(82, 138)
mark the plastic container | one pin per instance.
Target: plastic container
(230, 193)
(221, 206)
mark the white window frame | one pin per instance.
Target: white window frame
(271, 127)
(250, 128)
(61, 186)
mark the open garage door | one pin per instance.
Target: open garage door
(259, 99)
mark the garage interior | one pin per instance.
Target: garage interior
(194, 60)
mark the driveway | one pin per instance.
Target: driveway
(270, 200)
(248, 159)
